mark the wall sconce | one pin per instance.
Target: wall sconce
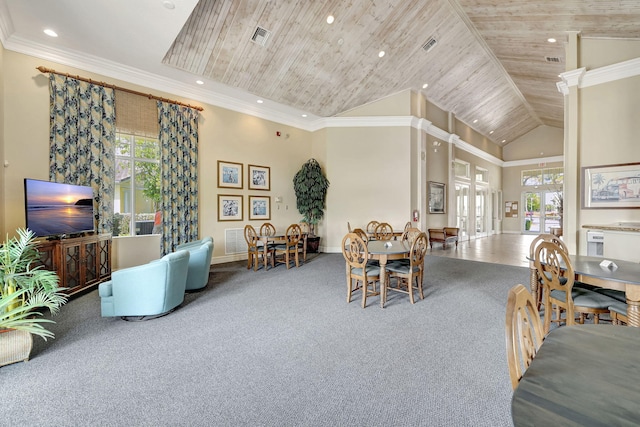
(436, 144)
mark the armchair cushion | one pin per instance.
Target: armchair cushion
(147, 290)
(199, 265)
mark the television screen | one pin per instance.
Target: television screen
(53, 208)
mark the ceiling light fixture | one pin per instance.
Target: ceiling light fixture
(381, 54)
(426, 85)
(304, 115)
(200, 82)
(259, 101)
(504, 140)
(551, 40)
(491, 133)
(330, 19)
(475, 121)
(50, 33)
(169, 4)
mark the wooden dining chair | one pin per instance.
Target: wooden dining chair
(289, 248)
(371, 227)
(535, 280)
(361, 275)
(302, 244)
(267, 229)
(255, 249)
(349, 227)
(523, 330)
(410, 234)
(559, 295)
(409, 276)
(618, 313)
(383, 231)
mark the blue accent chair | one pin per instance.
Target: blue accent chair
(200, 253)
(152, 289)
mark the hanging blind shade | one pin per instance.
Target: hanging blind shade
(136, 114)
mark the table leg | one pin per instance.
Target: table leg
(383, 280)
(265, 257)
(533, 284)
(633, 305)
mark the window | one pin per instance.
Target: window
(461, 169)
(482, 175)
(547, 176)
(137, 184)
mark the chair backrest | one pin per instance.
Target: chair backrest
(410, 234)
(451, 231)
(407, 225)
(304, 227)
(354, 251)
(523, 332)
(419, 250)
(371, 227)
(545, 237)
(383, 231)
(361, 233)
(250, 236)
(267, 229)
(552, 263)
(293, 235)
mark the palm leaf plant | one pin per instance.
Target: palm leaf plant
(26, 289)
(310, 186)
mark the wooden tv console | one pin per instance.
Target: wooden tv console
(80, 262)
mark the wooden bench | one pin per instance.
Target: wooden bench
(443, 235)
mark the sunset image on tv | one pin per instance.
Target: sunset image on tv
(54, 208)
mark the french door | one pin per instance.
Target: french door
(481, 211)
(462, 210)
(541, 211)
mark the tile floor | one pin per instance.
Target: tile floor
(509, 249)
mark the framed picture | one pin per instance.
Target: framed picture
(437, 197)
(259, 207)
(611, 186)
(229, 174)
(259, 177)
(229, 207)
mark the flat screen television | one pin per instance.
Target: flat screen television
(56, 209)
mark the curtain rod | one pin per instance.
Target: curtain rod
(135, 92)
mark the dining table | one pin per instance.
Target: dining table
(624, 276)
(279, 236)
(582, 375)
(384, 251)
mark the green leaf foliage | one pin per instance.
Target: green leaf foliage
(25, 287)
(310, 186)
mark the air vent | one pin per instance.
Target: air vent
(260, 36)
(430, 44)
(553, 59)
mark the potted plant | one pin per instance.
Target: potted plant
(26, 290)
(311, 186)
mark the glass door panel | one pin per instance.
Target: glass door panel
(481, 212)
(462, 210)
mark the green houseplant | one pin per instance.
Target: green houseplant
(310, 186)
(26, 289)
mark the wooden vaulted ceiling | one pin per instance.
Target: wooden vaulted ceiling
(490, 62)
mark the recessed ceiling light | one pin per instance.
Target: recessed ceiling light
(475, 121)
(169, 4)
(330, 19)
(259, 101)
(304, 115)
(504, 140)
(424, 86)
(381, 54)
(491, 133)
(551, 40)
(50, 33)
(200, 82)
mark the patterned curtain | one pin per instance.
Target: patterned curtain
(179, 170)
(82, 140)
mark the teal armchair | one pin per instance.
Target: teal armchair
(152, 289)
(200, 253)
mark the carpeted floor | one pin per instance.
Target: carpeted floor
(280, 348)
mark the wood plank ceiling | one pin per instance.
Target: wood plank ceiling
(489, 63)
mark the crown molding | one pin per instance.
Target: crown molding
(582, 78)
